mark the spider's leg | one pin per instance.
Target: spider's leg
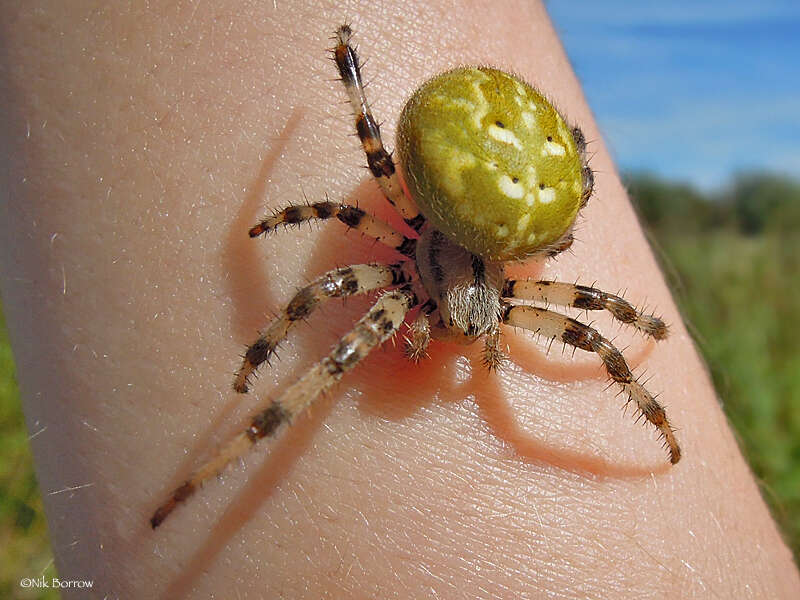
(353, 217)
(560, 245)
(493, 356)
(378, 325)
(419, 333)
(587, 175)
(379, 160)
(554, 325)
(339, 283)
(588, 298)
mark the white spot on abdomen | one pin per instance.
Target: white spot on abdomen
(458, 161)
(482, 105)
(529, 119)
(509, 188)
(553, 149)
(523, 222)
(505, 136)
(460, 103)
(547, 195)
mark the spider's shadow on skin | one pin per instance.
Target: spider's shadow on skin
(424, 383)
(432, 379)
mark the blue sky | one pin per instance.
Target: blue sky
(690, 90)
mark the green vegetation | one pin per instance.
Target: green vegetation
(732, 259)
(24, 544)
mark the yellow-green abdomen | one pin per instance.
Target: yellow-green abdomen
(490, 162)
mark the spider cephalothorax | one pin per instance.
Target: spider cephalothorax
(495, 175)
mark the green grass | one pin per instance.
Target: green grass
(732, 258)
(740, 297)
(24, 543)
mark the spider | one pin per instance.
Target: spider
(494, 175)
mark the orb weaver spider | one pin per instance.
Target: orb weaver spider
(495, 175)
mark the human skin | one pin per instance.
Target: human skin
(139, 145)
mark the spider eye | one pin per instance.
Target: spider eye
(474, 152)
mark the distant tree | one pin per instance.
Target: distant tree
(673, 206)
(765, 201)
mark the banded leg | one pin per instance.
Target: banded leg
(587, 175)
(378, 325)
(339, 283)
(588, 298)
(353, 217)
(574, 333)
(418, 337)
(588, 184)
(493, 356)
(380, 162)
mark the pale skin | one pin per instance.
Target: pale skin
(141, 148)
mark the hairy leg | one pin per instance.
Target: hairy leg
(557, 326)
(587, 175)
(352, 216)
(339, 283)
(418, 336)
(378, 325)
(587, 298)
(493, 356)
(379, 160)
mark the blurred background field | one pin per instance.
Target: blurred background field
(732, 259)
(24, 545)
